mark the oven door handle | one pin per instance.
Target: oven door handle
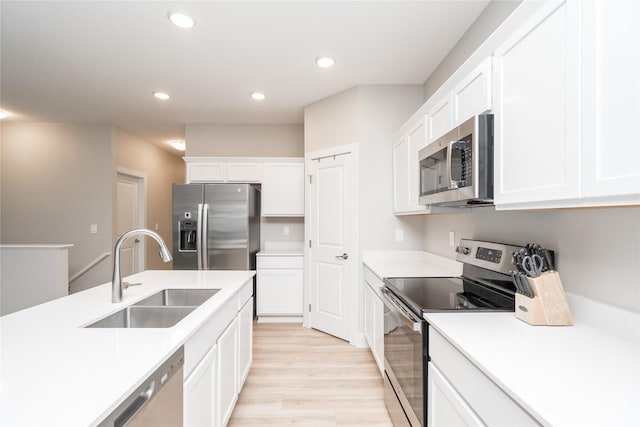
(402, 310)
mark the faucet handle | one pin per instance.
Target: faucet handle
(125, 285)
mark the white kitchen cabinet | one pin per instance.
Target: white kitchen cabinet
(406, 170)
(374, 317)
(472, 95)
(537, 106)
(464, 393)
(245, 342)
(283, 189)
(227, 373)
(198, 396)
(445, 405)
(611, 93)
(243, 172)
(217, 360)
(439, 118)
(279, 288)
(206, 171)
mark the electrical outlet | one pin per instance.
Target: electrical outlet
(157, 226)
(94, 229)
(399, 235)
(452, 238)
(285, 230)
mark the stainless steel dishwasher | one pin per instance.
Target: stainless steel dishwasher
(157, 401)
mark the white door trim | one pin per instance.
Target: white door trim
(141, 178)
(354, 311)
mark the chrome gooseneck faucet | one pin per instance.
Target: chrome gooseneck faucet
(116, 283)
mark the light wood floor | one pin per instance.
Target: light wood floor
(302, 376)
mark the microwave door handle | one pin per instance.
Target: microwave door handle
(453, 184)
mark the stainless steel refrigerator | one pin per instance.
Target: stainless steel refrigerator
(215, 226)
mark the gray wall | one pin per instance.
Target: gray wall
(368, 116)
(219, 140)
(598, 250)
(492, 16)
(161, 169)
(56, 181)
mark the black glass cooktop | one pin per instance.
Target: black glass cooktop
(430, 294)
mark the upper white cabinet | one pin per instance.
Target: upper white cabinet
(282, 179)
(406, 179)
(611, 93)
(439, 118)
(566, 101)
(536, 106)
(244, 172)
(471, 95)
(219, 170)
(203, 171)
(283, 189)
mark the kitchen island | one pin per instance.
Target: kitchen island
(55, 372)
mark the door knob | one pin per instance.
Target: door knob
(343, 256)
(137, 241)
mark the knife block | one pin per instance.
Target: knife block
(549, 304)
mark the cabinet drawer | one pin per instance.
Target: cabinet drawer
(205, 337)
(374, 282)
(280, 261)
(245, 294)
(486, 399)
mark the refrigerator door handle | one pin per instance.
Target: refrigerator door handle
(199, 236)
(205, 235)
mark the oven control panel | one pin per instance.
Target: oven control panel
(490, 255)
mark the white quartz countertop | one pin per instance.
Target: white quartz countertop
(562, 375)
(410, 264)
(587, 374)
(54, 372)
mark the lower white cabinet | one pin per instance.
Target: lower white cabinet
(461, 394)
(445, 405)
(279, 288)
(218, 357)
(198, 397)
(227, 383)
(245, 342)
(374, 317)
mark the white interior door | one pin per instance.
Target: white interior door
(331, 220)
(128, 207)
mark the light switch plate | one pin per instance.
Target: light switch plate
(399, 235)
(452, 238)
(94, 229)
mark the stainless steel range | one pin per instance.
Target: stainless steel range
(485, 285)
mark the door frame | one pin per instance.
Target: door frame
(141, 179)
(353, 303)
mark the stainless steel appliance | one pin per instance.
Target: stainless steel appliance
(215, 226)
(485, 285)
(157, 401)
(457, 169)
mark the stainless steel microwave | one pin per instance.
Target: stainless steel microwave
(457, 169)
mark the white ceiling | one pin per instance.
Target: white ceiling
(99, 61)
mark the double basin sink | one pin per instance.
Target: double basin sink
(161, 310)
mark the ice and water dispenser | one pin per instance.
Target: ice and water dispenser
(188, 231)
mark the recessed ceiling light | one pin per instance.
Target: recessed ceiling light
(178, 145)
(161, 95)
(325, 62)
(258, 96)
(181, 20)
(4, 114)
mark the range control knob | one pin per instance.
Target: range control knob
(463, 250)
